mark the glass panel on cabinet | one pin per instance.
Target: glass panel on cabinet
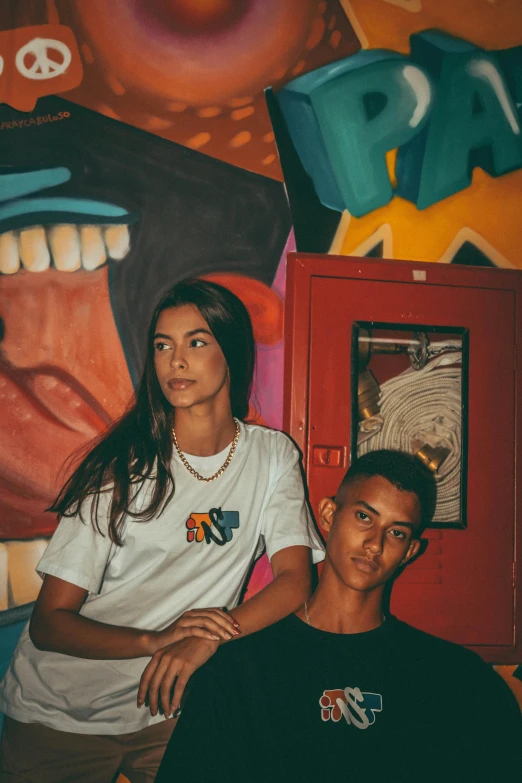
(409, 393)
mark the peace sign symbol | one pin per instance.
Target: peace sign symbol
(43, 67)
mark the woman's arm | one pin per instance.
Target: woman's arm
(57, 625)
(176, 663)
(288, 591)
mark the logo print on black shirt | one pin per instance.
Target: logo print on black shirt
(351, 704)
(215, 526)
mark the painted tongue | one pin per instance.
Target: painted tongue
(46, 417)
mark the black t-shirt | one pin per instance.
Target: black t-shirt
(293, 703)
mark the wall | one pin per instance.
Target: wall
(152, 156)
(411, 147)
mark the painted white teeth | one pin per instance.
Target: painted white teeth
(64, 242)
(9, 256)
(33, 249)
(117, 240)
(68, 247)
(92, 247)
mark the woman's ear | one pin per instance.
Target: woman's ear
(326, 508)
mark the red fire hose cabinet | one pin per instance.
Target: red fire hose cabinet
(424, 358)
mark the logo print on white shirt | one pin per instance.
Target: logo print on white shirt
(356, 707)
(215, 526)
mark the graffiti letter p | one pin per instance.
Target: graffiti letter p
(355, 111)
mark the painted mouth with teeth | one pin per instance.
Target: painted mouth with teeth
(47, 414)
(38, 232)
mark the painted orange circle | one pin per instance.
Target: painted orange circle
(197, 52)
(265, 307)
(197, 16)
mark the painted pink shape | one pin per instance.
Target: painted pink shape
(261, 576)
(268, 385)
(279, 284)
(268, 392)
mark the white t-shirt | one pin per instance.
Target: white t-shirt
(178, 561)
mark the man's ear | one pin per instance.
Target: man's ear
(326, 508)
(415, 545)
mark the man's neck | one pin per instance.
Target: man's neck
(343, 611)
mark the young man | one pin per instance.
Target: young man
(340, 692)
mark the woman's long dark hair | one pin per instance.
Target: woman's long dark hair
(139, 445)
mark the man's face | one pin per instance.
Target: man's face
(371, 531)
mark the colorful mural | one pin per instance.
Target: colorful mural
(131, 53)
(138, 148)
(417, 135)
(129, 160)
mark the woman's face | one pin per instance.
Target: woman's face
(189, 363)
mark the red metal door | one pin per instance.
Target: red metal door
(462, 587)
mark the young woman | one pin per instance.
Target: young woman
(165, 515)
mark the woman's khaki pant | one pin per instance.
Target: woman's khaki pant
(33, 753)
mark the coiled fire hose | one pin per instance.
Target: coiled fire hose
(421, 407)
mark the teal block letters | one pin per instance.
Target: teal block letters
(448, 108)
(473, 122)
(344, 117)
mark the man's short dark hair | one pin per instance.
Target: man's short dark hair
(402, 470)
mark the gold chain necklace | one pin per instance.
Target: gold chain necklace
(223, 467)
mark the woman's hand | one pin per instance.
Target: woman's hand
(173, 664)
(213, 624)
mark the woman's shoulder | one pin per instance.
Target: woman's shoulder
(272, 443)
(269, 436)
